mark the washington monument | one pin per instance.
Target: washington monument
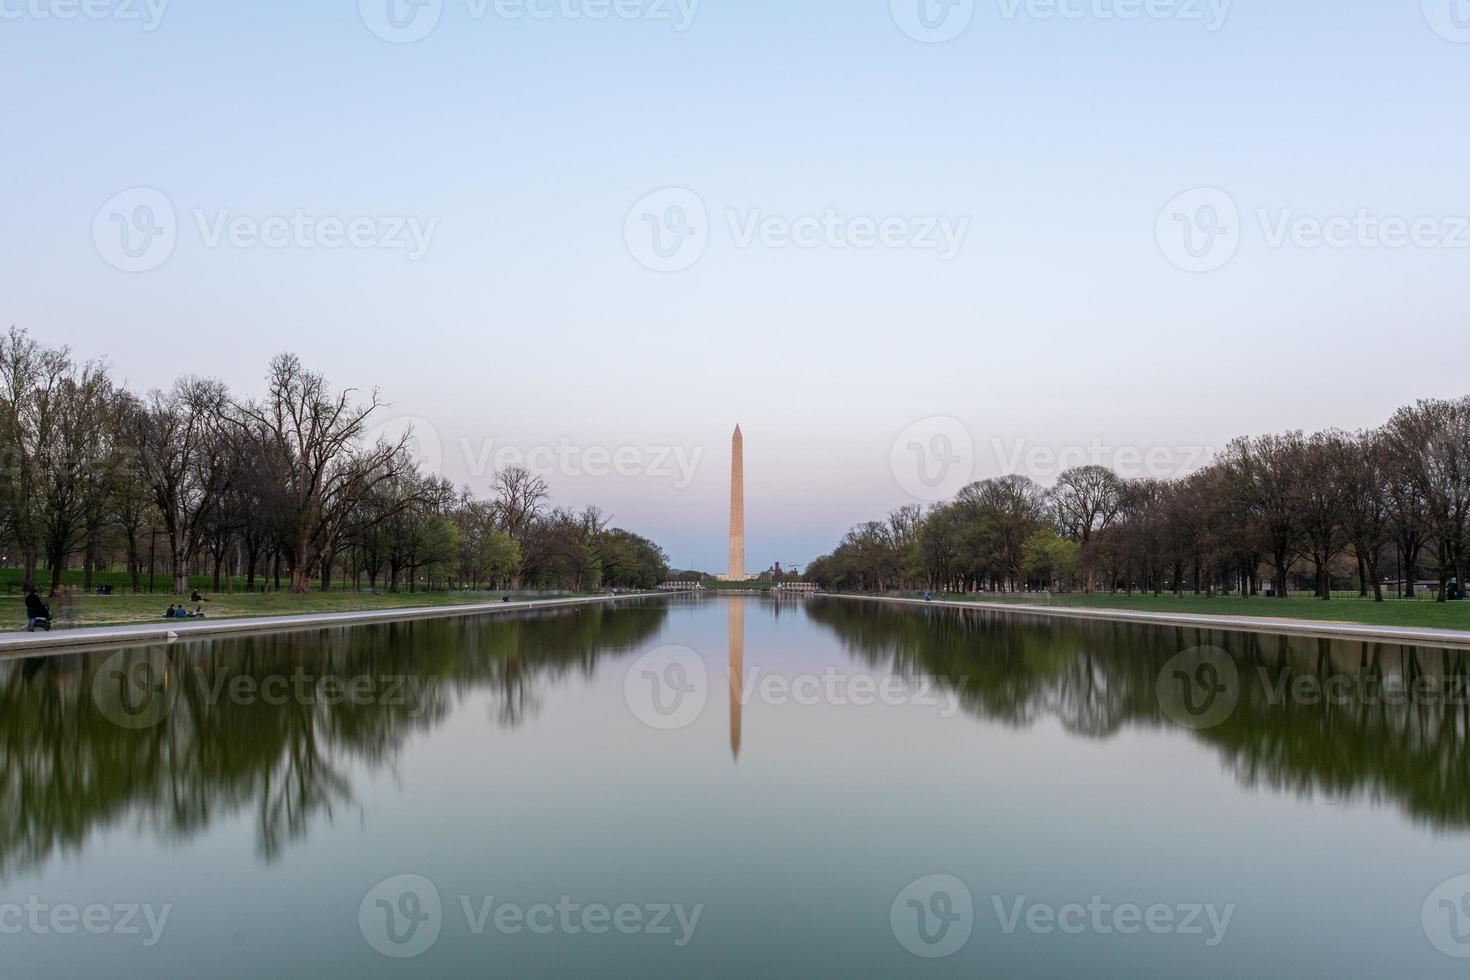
(736, 572)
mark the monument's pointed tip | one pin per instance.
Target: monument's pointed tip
(737, 428)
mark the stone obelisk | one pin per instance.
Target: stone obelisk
(737, 508)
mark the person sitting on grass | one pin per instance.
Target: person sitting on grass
(196, 597)
(198, 613)
(36, 610)
(181, 612)
(170, 613)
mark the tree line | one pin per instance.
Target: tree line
(1272, 513)
(283, 487)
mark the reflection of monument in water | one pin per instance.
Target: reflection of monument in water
(736, 611)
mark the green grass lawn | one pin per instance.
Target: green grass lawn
(1423, 611)
(122, 608)
(10, 579)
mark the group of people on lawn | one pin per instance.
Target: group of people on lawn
(181, 612)
(39, 614)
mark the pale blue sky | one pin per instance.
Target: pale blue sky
(529, 320)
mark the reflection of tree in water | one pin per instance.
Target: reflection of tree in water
(1097, 677)
(66, 770)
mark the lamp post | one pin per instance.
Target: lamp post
(152, 543)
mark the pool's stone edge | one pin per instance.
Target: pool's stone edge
(66, 640)
(1413, 636)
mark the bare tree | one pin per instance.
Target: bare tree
(519, 498)
(314, 434)
(1266, 473)
(1087, 500)
(181, 455)
(1358, 466)
(1431, 440)
(30, 376)
(75, 464)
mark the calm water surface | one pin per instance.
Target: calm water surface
(731, 787)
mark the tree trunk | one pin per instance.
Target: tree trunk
(56, 562)
(179, 551)
(134, 562)
(1443, 578)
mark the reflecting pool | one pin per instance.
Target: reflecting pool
(735, 786)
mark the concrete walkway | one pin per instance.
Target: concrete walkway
(67, 640)
(1416, 636)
